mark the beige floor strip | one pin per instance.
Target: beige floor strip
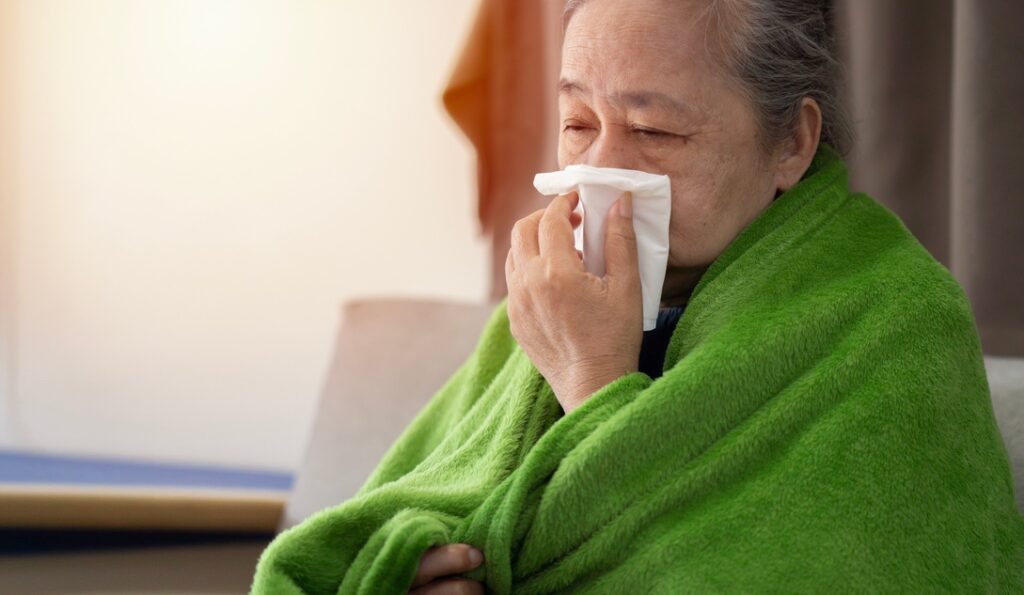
(84, 507)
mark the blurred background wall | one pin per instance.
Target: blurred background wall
(188, 191)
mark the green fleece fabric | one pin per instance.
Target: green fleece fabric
(823, 424)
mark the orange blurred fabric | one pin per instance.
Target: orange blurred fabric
(503, 96)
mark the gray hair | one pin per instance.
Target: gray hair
(777, 52)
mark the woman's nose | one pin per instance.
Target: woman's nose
(610, 149)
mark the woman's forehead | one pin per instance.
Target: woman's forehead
(635, 75)
(610, 40)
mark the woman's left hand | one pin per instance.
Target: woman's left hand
(580, 331)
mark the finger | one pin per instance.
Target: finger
(524, 236)
(453, 586)
(446, 559)
(575, 218)
(620, 242)
(555, 233)
(580, 254)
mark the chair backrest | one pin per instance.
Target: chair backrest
(1006, 382)
(392, 355)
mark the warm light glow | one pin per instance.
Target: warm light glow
(197, 186)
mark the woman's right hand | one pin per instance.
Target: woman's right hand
(445, 560)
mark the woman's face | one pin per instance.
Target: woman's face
(638, 91)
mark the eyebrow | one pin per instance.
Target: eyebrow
(635, 99)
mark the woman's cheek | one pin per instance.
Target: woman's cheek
(566, 157)
(571, 150)
(692, 225)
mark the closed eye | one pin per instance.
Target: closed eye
(651, 132)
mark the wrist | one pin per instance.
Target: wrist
(583, 383)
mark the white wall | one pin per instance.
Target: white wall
(190, 188)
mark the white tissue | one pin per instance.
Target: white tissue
(598, 188)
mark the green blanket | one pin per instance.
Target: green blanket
(823, 423)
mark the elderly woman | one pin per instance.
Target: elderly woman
(810, 414)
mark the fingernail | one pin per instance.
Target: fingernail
(626, 205)
(475, 556)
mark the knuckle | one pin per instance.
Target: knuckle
(554, 279)
(625, 229)
(549, 274)
(625, 233)
(517, 233)
(534, 271)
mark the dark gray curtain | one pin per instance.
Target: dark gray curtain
(935, 89)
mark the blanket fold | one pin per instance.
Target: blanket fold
(823, 422)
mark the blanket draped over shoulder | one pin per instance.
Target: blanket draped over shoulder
(823, 422)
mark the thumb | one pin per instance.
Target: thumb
(620, 251)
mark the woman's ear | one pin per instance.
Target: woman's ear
(798, 150)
